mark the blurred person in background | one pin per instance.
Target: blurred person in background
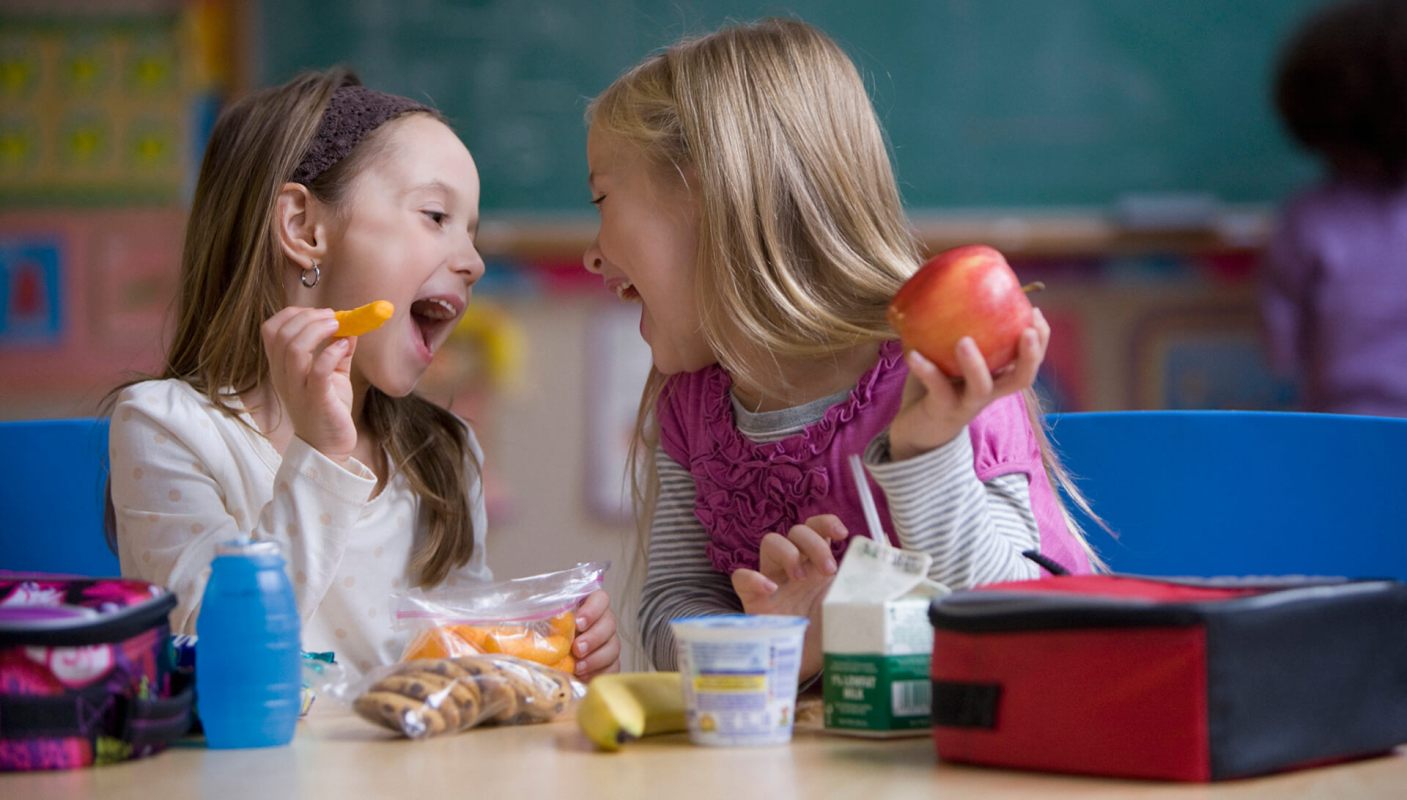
(1334, 284)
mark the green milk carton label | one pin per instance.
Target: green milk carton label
(877, 642)
(878, 693)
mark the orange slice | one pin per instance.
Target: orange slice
(438, 643)
(527, 644)
(564, 624)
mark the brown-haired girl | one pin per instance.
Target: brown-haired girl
(315, 195)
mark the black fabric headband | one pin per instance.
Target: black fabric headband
(353, 112)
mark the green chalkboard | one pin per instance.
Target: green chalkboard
(1005, 104)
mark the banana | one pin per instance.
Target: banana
(628, 705)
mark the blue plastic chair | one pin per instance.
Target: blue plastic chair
(1208, 493)
(52, 484)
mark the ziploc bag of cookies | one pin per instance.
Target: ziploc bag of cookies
(428, 697)
(533, 618)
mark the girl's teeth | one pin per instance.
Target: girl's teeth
(435, 308)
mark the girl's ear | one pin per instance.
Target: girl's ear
(301, 226)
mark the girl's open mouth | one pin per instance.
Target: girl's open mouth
(625, 290)
(434, 316)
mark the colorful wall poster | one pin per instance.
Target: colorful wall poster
(31, 296)
(107, 105)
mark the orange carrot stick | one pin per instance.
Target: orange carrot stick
(363, 319)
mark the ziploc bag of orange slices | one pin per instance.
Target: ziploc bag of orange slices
(532, 618)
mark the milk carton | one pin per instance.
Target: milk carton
(877, 642)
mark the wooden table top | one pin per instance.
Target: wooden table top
(336, 756)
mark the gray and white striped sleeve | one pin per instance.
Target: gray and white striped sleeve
(976, 531)
(680, 580)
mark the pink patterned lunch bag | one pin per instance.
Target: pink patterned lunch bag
(86, 672)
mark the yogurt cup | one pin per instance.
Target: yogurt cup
(739, 673)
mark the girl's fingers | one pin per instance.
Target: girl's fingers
(595, 606)
(311, 337)
(328, 360)
(602, 630)
(752, 586)
(293, 324)
(1032, 352)
(269, 332)
(346, 362)
(1042, 328)
(914, 390)
(1029, 355)
(813, 547)
(284, 315)
(597, 647)
(977, 378)
(273, 324)
(281, 341)
(778, 559)
(928, 375)
(605, 658)
(828, 525)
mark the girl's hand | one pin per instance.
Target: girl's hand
(935, 407)
(312, 377)
(793, 574)
(597, 647)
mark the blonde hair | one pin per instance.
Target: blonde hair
(231, 268)
(803, 240)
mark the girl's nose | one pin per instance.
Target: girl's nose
(592, 260)
(469, 264)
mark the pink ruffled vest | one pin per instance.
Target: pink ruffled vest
(746, 489)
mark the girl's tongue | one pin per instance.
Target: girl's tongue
(432, 316)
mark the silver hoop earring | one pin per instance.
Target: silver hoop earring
(317, 276)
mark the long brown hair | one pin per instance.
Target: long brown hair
(230, 283)
(803, 239)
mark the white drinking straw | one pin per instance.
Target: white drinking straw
(862, 485)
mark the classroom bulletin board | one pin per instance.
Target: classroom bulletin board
(1009, 111)
(104, 109)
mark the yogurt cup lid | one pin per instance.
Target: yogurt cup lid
(741, 623)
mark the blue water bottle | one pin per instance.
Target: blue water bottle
(248, 664)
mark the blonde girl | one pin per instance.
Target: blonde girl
(747, 203)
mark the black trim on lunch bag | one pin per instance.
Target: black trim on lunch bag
(966, 705)
(140, 722)
(103, 628)
(73, 714)
(998, 610)
(1307, 682)
(159, 720)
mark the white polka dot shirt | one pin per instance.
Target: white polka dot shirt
(186, 476)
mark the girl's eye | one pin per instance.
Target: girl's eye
(437, 217)
(596, 201)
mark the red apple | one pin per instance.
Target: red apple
(966, 291)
